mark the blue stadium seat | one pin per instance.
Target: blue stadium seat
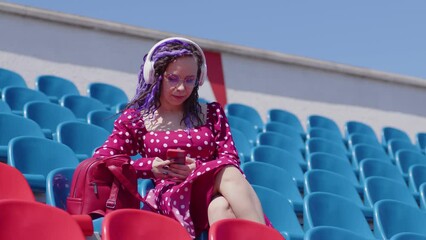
(119, 107)
(48, 116)
(380, 188)
(389, 133)
(280, 212)
(422, 193)
(282, 142)
(341, 166)
(11, 78)
(81, 105)
(275, 178)
(58, 184)
(326, 134)
(12, 126)
(82, 138)
(407, 158)
(246, 112)
(286, 130)
(326, 209)
(241, 229)
(393, 217)
(421, 141)
(326, 181)
(4, 107)
(364, 151)
(285, 117)
(395, 145)
(281, 159)
(377, 168)
(332, 233)
(242, 144)
(318, 121)
(55, 87)
(416, 176)
(102, 118)
(17, 97)
(36, 157)
(320, 145)
(357, 138)
(108, 94)
(245, 127)
(408, 236)
(355, 127)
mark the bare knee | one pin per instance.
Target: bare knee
(219, 208)
(229, 175)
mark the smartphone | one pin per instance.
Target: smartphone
(177, 156)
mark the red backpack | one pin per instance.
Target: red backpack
(100, 185)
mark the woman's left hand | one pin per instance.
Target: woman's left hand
(183, 170)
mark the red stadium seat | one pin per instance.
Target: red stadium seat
(13, 184)
(239, 229)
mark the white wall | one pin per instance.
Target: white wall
(35, 42)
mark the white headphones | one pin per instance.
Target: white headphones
(149, 71)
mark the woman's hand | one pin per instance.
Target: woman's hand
(160, 168)
(183, 171)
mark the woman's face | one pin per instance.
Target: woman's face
(179, 80)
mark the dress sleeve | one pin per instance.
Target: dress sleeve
(126, 138)
(225, 153)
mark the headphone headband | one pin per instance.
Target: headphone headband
(149, 71)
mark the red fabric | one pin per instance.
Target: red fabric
(210, 144)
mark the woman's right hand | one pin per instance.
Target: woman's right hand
(160, 169)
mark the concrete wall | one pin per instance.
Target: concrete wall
(35, 42)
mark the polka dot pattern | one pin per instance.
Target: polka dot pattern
(211, 144)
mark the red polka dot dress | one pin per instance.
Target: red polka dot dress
(210, 144)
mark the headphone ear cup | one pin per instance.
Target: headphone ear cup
(148, 72)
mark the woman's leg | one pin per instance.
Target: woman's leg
(219, 209)
(233, 186)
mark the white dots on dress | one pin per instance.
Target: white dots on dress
(129, 117)
(165, 145)
(198, 173)
(200, 148)
(182, 206)
(115, 141)
(131, 162)
(206, 134)
(144, 173)
(217, 110)
(127, 140)
(226, 145)
(186, 189)
(112, 152)
(181, 197)
(120, 133)
(140, 164)
(195, 130)
(180, 135)
(166, 137)
(157, 140)
(174, 203)
(219, 162)
(206, 143)
(149, 162)
(175, 141)
(168, 132)
(149, 149)
(151, 133)
(155, 149)
(198, 137)
(188, 145)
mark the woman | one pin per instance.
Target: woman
(165, 114)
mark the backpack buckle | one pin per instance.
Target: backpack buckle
(111, 203)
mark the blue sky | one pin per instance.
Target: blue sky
(386, 35)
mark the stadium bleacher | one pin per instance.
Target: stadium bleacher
(334, 183)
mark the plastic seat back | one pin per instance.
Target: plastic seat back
(4, 107)
(395, 145)
(17, 97)
(285, 117)
(286, 130)
(407, 158)
(275, 178)
(279, 158)
(36, 221)
(102, 118)
(389, 133)
(240, 229)
(355, 127)
(280, 212)
(246, 112)
(108, 94)
(363, 151)
(378, 168)
(421, 140)
(317, 121)
(356, 138)
(11, 78)
(282, 142)
(416, 176)
(55, 87)
(14, 126)
(126, 224)
(422, 193)
(58, 187)
(326, 181)
(319, 145)
(393, 217)
(408, 236)
(245, 127)
(326, 134)
(48, 116)
(13, 184)
(82, 138)
(332, 233)
(36, 157)
(242, 144)
(326, 209)
(81, 105)
(380, 188)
